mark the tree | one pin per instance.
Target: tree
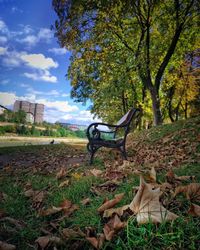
(113, 42)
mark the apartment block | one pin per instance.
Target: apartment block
(36, 109)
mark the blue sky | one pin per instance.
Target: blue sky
(32, 65)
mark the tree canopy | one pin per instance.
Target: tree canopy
(125, 53)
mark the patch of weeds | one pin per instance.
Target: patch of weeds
(190, 169)
(98, 162)
(39, 182)
(87, 215)
(75, 192)
(174, 235)
(15, 203)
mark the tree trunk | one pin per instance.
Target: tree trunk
(156, 106)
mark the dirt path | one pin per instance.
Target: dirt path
(6, 141)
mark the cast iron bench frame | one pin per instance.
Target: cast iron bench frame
(96, 141)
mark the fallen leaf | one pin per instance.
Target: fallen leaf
(119, 211)
(50, 211)
(172, 177)
(77, 176)
(18, 224)
(6, 246)
(116, 223)
(44, 241)
(68, 208)
(36, 195)
(152, 175)
(64, 183)
(147, 207)
(192, 191)
(113, 226)
(62, 173)
(85, 201)
(108, 232)
(97, 242)
(194, 210)
(94, 241)
(111, 203)
(71, 233)
(96, 172)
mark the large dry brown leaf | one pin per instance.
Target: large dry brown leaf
(147, 207)
(110, 203)
(119, 211)
(6, 246)
(194, 210)
(192, 191)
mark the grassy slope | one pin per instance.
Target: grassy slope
(176, 145)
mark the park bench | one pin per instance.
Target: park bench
(114, 136)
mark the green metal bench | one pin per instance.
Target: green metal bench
(97, 137)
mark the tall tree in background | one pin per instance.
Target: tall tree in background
(116, 45)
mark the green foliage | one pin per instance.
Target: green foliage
(17, 117)
(124, 49)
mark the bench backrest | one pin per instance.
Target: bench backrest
(126, 119)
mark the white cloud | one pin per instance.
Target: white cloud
(65, 95)
(3, 51)
(58, 108)
(12, 58)
(3, 39)
(26, 34)
(15, 9)
(7, 98)
(4, 82)
(43, 76)
(62, 106)
(30, 40)
(58, 51)
(54, 110)
(39, 61)
(3, 27)
(45, 34)
(30, 90)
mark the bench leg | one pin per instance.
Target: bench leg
(92, 149)
(123, 151)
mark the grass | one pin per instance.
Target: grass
(183, 233)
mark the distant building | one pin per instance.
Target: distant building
(73, 127)
(35, 111)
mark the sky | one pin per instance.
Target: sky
(33, 67)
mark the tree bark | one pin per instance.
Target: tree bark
(156, 106)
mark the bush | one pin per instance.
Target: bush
(2, 131)
(9, 129)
